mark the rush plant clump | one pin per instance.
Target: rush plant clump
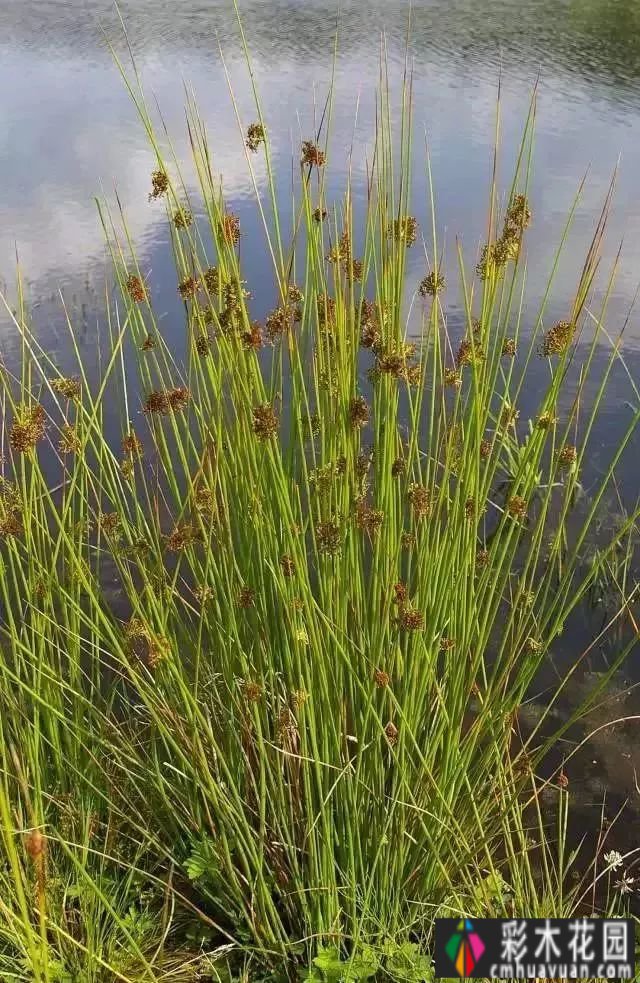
(269, 617)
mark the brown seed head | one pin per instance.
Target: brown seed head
(518, 217)
(136, 289)
(381, 678)
(28, 428)
(211, 279)
(265, 422)
(367, 519)
(469, 353)
(329, 537)
(231, 228)
(319, 214)
(404, 230)
(410, 619)
(517, 507)
(246, 597)
(252, 691)
(187, 287)
(10, 510)
(358, 412)
(546, 420)
(182, 218)
(369, 335)
(420, 499)
(287, 565)
(452, 378)
(400, 593)
(158, 649)
(567, 456)
(167, 400)
(430, 285)
(69, 441)
(558, 338)
(341, 253)
(482, 558)
(203, 345)
(509, 347)
(278, 323)
(312, 155)
(131, 444)
(255, 136)
(326, 311)
(109, 523)
(252, 339)
(508, 416)
(182, 535)
(69, 388)
(391, 733)
(204, 594)
(159, 185)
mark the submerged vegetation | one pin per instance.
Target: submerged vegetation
(289, 738)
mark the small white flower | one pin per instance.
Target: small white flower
(613, 859)
(625, 884)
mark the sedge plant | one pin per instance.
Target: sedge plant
(341, 557)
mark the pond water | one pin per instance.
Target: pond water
(69, 131)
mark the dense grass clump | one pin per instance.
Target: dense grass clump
(289, 739)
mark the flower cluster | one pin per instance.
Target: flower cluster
(149, 646)
(421, 501)
(231, 228)
(265, 421)
(558, 338)
(432, 284)
(28, 428)
(381, 678)
(252, 338)
(211, 279)
(404, 230)
(182, 218)
(312, 155)
(368, 519)
(69, 442)
(159, 185)
(182, 535)
(567, 456)
(517, 507)
(136, 288)
(10, 510)
(70, 388)
(469, 353)
(255, 136)
(187, 287)
(496, 255)
(329, 537)
(165, 401)
(358, 412)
